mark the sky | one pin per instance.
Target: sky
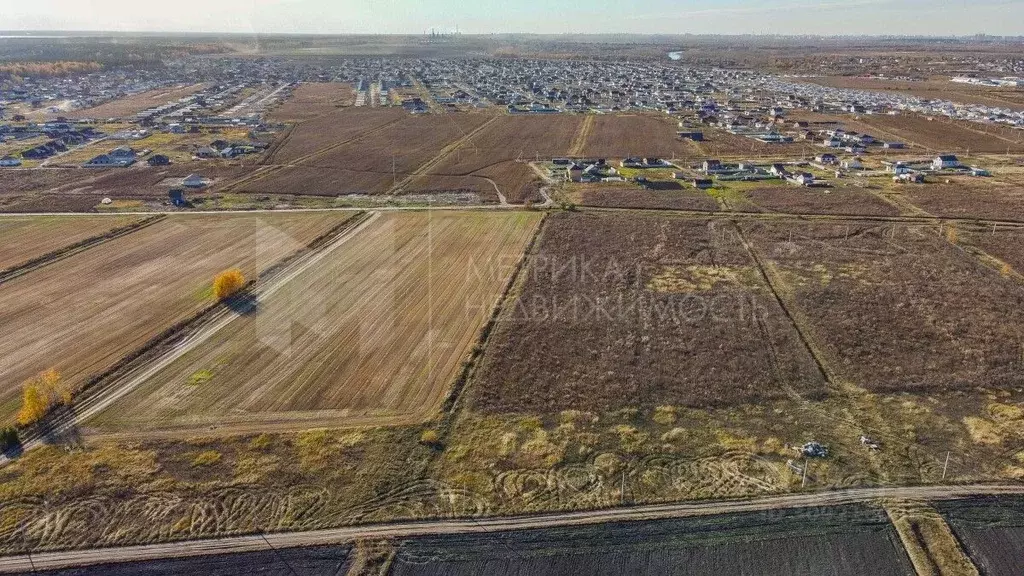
(827, 17)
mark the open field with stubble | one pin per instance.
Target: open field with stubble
(374, 332)
(82, 314)
(27, 237)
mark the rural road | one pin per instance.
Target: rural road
(99, 402)
(235, 544)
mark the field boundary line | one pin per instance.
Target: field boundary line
(470, 525)
(771, 283)
(452, 400)
(440, 157)
(72, 249)
(579, 141)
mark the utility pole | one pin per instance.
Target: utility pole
(945, 466)
(803, 478)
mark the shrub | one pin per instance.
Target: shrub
(9, 438)
(206, 458)
(34, 404)
(430, 438)
(228, 283)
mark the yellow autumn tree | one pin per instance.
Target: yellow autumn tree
(54, 387)
(34, 404)
(228, 283)
(41, 393)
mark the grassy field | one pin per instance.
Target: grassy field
(28, 237)
(374, 332)
(84, 313)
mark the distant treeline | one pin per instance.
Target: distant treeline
(47, 69)
(104, 52)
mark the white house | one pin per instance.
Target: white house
(853, 164)
(945, 161)
(194, 181)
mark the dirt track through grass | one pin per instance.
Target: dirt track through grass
(374, 332)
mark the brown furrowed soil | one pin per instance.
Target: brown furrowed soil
(840, 541)
(622, 135)
(897, 307)
(944, 135)
(26, 237)
(331, 129)
(33, 180)
(617, 196)
(968, 197)
(513, 137)
(375, 331)
(320, 182)
(83, 314)
(403, 146)
(313, 99)
(637, 310)
(131, 105)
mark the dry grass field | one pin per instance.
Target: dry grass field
(619, 195)
(83, 314)
(847, 200)
(26, 237)
(373, 332)
(130, 105)
(310, 100)
(637, 310)
(966, 197)
(897, 308)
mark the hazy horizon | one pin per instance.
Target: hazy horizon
(402, 17)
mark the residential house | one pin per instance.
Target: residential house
(102, 161)
(826, 158)
(194, 181)
(158, 160)
(710, 166)
(703, 183)
(574, 173)
(945, 161)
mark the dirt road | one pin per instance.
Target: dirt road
(234, 544)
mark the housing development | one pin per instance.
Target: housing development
(511, 305)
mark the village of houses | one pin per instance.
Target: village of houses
(227, 121)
